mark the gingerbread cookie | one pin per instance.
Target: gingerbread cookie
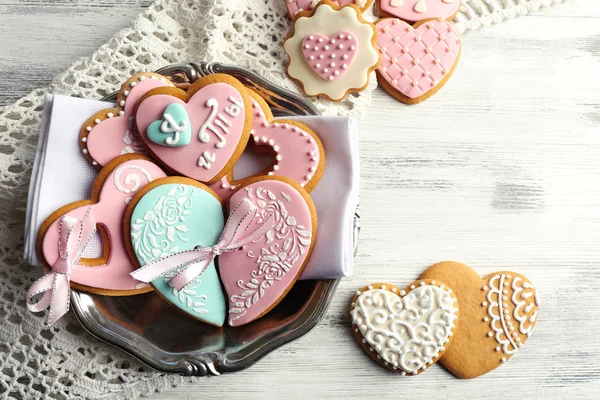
(498, 314)
(417, 10)
(405, 330)
(297, 151)
(296, 6)
(169, 216)
(259, 276)
(416, 61)
(332, 51)
(200, 133)
(110, 133)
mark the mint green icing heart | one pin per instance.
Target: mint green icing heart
(172, 218)
(174, 129)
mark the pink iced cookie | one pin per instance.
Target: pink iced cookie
(416, 61)
(109, 133)
(295, 6)
(218, 112)
(417, 10)
(258, 276)
(330, 57)
(112, 191)
(297, 151)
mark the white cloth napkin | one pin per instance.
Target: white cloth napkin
(62, 175)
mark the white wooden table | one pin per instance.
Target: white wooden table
(500, 170)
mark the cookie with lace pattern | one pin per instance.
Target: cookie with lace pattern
(331, 51)
(405, 330)
(416, 61)
(498, 315)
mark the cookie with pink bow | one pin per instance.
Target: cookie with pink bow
(418, 60)
(199, 133)
(295, 150)
(110, 133)
(186, 245)
(81, 244)
(296, 6)
(332, 51)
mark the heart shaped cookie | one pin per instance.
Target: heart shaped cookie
(110, 133)
(258, 276)
(220, 118)
(498, 314)
(416, 61)
(330, 57)
(295, 6)
(405, 330)
(173, 215)
(297, 151)
(112, 191)
(417, 10)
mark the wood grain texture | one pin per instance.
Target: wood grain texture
(499, 170)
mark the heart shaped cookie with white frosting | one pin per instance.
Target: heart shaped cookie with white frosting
(498, 314)
(405, 330)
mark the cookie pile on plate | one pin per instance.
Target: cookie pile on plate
(170, 213)
(471, 325)
(413, 47)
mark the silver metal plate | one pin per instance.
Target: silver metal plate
(166, 339)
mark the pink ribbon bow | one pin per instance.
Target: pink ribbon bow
(73, 237)
(194, 262)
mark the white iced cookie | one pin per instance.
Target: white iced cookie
(405, 330)
(332, 51)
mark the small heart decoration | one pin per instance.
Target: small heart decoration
(416, 61)
(498, 315)
(330, 57)
(110, 133)
(173, 129)
(417, 10)
(174, 215)
(258, 276)
(219, 112)
(405, 330)
(112, 191)
(297, 151)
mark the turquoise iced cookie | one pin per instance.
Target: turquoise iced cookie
(174, 129)
(175, 217)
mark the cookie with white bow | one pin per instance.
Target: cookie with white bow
(405, 330)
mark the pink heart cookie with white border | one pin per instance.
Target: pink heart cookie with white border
(219, 113)
(112, 190)
(297, 151)
(330, 57)
(295, 6)
(259, 275)
(110, 133)
(416, 61)
(418, 10)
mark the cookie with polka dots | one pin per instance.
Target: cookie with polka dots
(405, 330)
(416, 10)
(110, 133)
(498, 315)
(332, 51)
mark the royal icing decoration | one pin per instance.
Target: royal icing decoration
(73, 237)
(172, 218)
(110, 133)
(416, 61)
(260, 274)
(113, 190)
(408, 330)
(174, 129)
(297, 150)
(329, 32)
(417, 10)
(296, 6)
(217, 117)
(330, 57)
(497, 316)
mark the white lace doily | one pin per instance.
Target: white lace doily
(64, 361)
